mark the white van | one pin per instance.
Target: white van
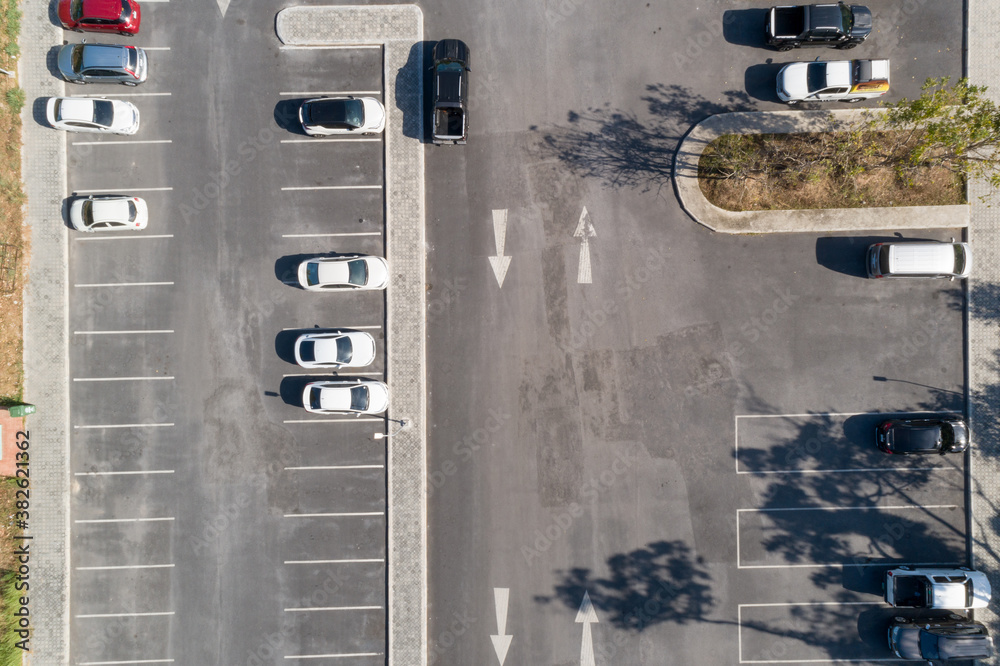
(919, 260)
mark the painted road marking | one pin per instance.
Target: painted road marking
(324, 467)
(340, 234)
(317, 139)
(123, 520)
(501, 640)
(329, 420)
(127, 566)
(124, 425)
(130, 142)
(333, 656)
(587, 616)
(331, 187)
(125, 332)
(124, 284)
(292, 47)
(122, 237)
(331, 608)
(353, 374)
(131, 189)
(130, 661)
(125, 472)
(366, 327)
(97, 615)
(584, 231)
(500, 263)
(124, 94)
(332, 92)
(367, 561)
(118, 379)
(335, 515)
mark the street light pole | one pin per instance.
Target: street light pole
(403, 423)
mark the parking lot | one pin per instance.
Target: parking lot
(212, 515)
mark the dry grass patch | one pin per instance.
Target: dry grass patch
(820, 170)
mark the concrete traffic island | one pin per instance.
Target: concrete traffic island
(399, 30)
(785, 221)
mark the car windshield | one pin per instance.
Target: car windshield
(928, 645)
(816, 76)
(307, 351)
(88, 213)
(104, 112)
(947, 435)
(848, 17)
(341, 113)
(76, 61)
(343, 350)
(359, 398)
(312, 273)
(132, 211)
(450, 67)
(133, 58)
(126, 9)
(76, 9)
(314, 400)
(357, 272)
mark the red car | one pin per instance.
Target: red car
(121, 16)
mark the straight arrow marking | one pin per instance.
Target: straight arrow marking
(500, 263)
(501, 641)
(587, 616)
(584, 231)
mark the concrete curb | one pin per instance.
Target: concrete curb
(786, 221)
(399, 30)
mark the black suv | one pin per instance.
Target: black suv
(451, 92)
(944, 638)
(948, 434)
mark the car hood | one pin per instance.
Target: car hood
(906, 642)
(981, 590)
(65, 60)
(378, 272)
(374, 114)
(793, 79)
(378, 397)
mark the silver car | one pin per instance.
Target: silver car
(338, 349)
(102, 63)
(85, 114)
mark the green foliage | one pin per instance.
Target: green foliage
(957, 127)
(15, 99)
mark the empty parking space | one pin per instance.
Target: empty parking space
(360, 540)
(329, 72)
(813, 632)
(324, 211)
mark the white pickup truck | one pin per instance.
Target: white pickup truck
(936, 588)
(833, 81)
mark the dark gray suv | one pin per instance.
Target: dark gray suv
(102, 63)
(948, 638)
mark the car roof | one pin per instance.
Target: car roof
(104, 55)
(921, 258)
(333, 271)
(76, 108)
(838, 73)
(920, 437)
(332, 109)
(955, 647)
(105, 210)
(103, 9)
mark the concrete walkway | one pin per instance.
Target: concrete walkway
(399, 30)
(778, 221)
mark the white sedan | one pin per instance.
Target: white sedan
(340, 349)
(346, 396)
(86, 114)
(329, 116)
(352, 271)
(108, 212)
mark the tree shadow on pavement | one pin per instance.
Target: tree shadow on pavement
(625, 150)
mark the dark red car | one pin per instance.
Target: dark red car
(121, 16)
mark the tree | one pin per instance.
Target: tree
(955, 127)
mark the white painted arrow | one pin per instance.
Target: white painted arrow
(500, 263)
(223, 6)
(501, 642)
(587, 616)
(584, 231)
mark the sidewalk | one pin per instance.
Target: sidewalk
(983, 324)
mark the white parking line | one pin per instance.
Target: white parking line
(316, 139)
(853, 508)
(330, 420)
(331, 187)
(122, 520)
(134, 94)
(341, 234)
(127, 566)
(371, 327)
(331, 608)
(371, 561)
(125, 332)
(333, 656)
(155, 48)
(130, 142)
(117, 379)
(851, 469)
(739, 630)
(122, 237)
(131, 189)
(130, 661)
(125, 472)
(322, 467)
(292, 47)
(124, 284)
(335, 515)
(124, 425)
(98, 615)
(311, 93)
(353, 374)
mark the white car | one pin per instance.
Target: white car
(346, 396)
(340, 349)
(88, 114)
(108, 212)
(326, 116)
(936, 588)
(350, 271)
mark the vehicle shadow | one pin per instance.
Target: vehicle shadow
(413, 85)
(38, 111)
(284, 343)
(846, 254)
(290, 389)
(745, 27)
(52, 61)
(759, 81)
(286, 116)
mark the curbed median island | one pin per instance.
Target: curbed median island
(903, 166)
